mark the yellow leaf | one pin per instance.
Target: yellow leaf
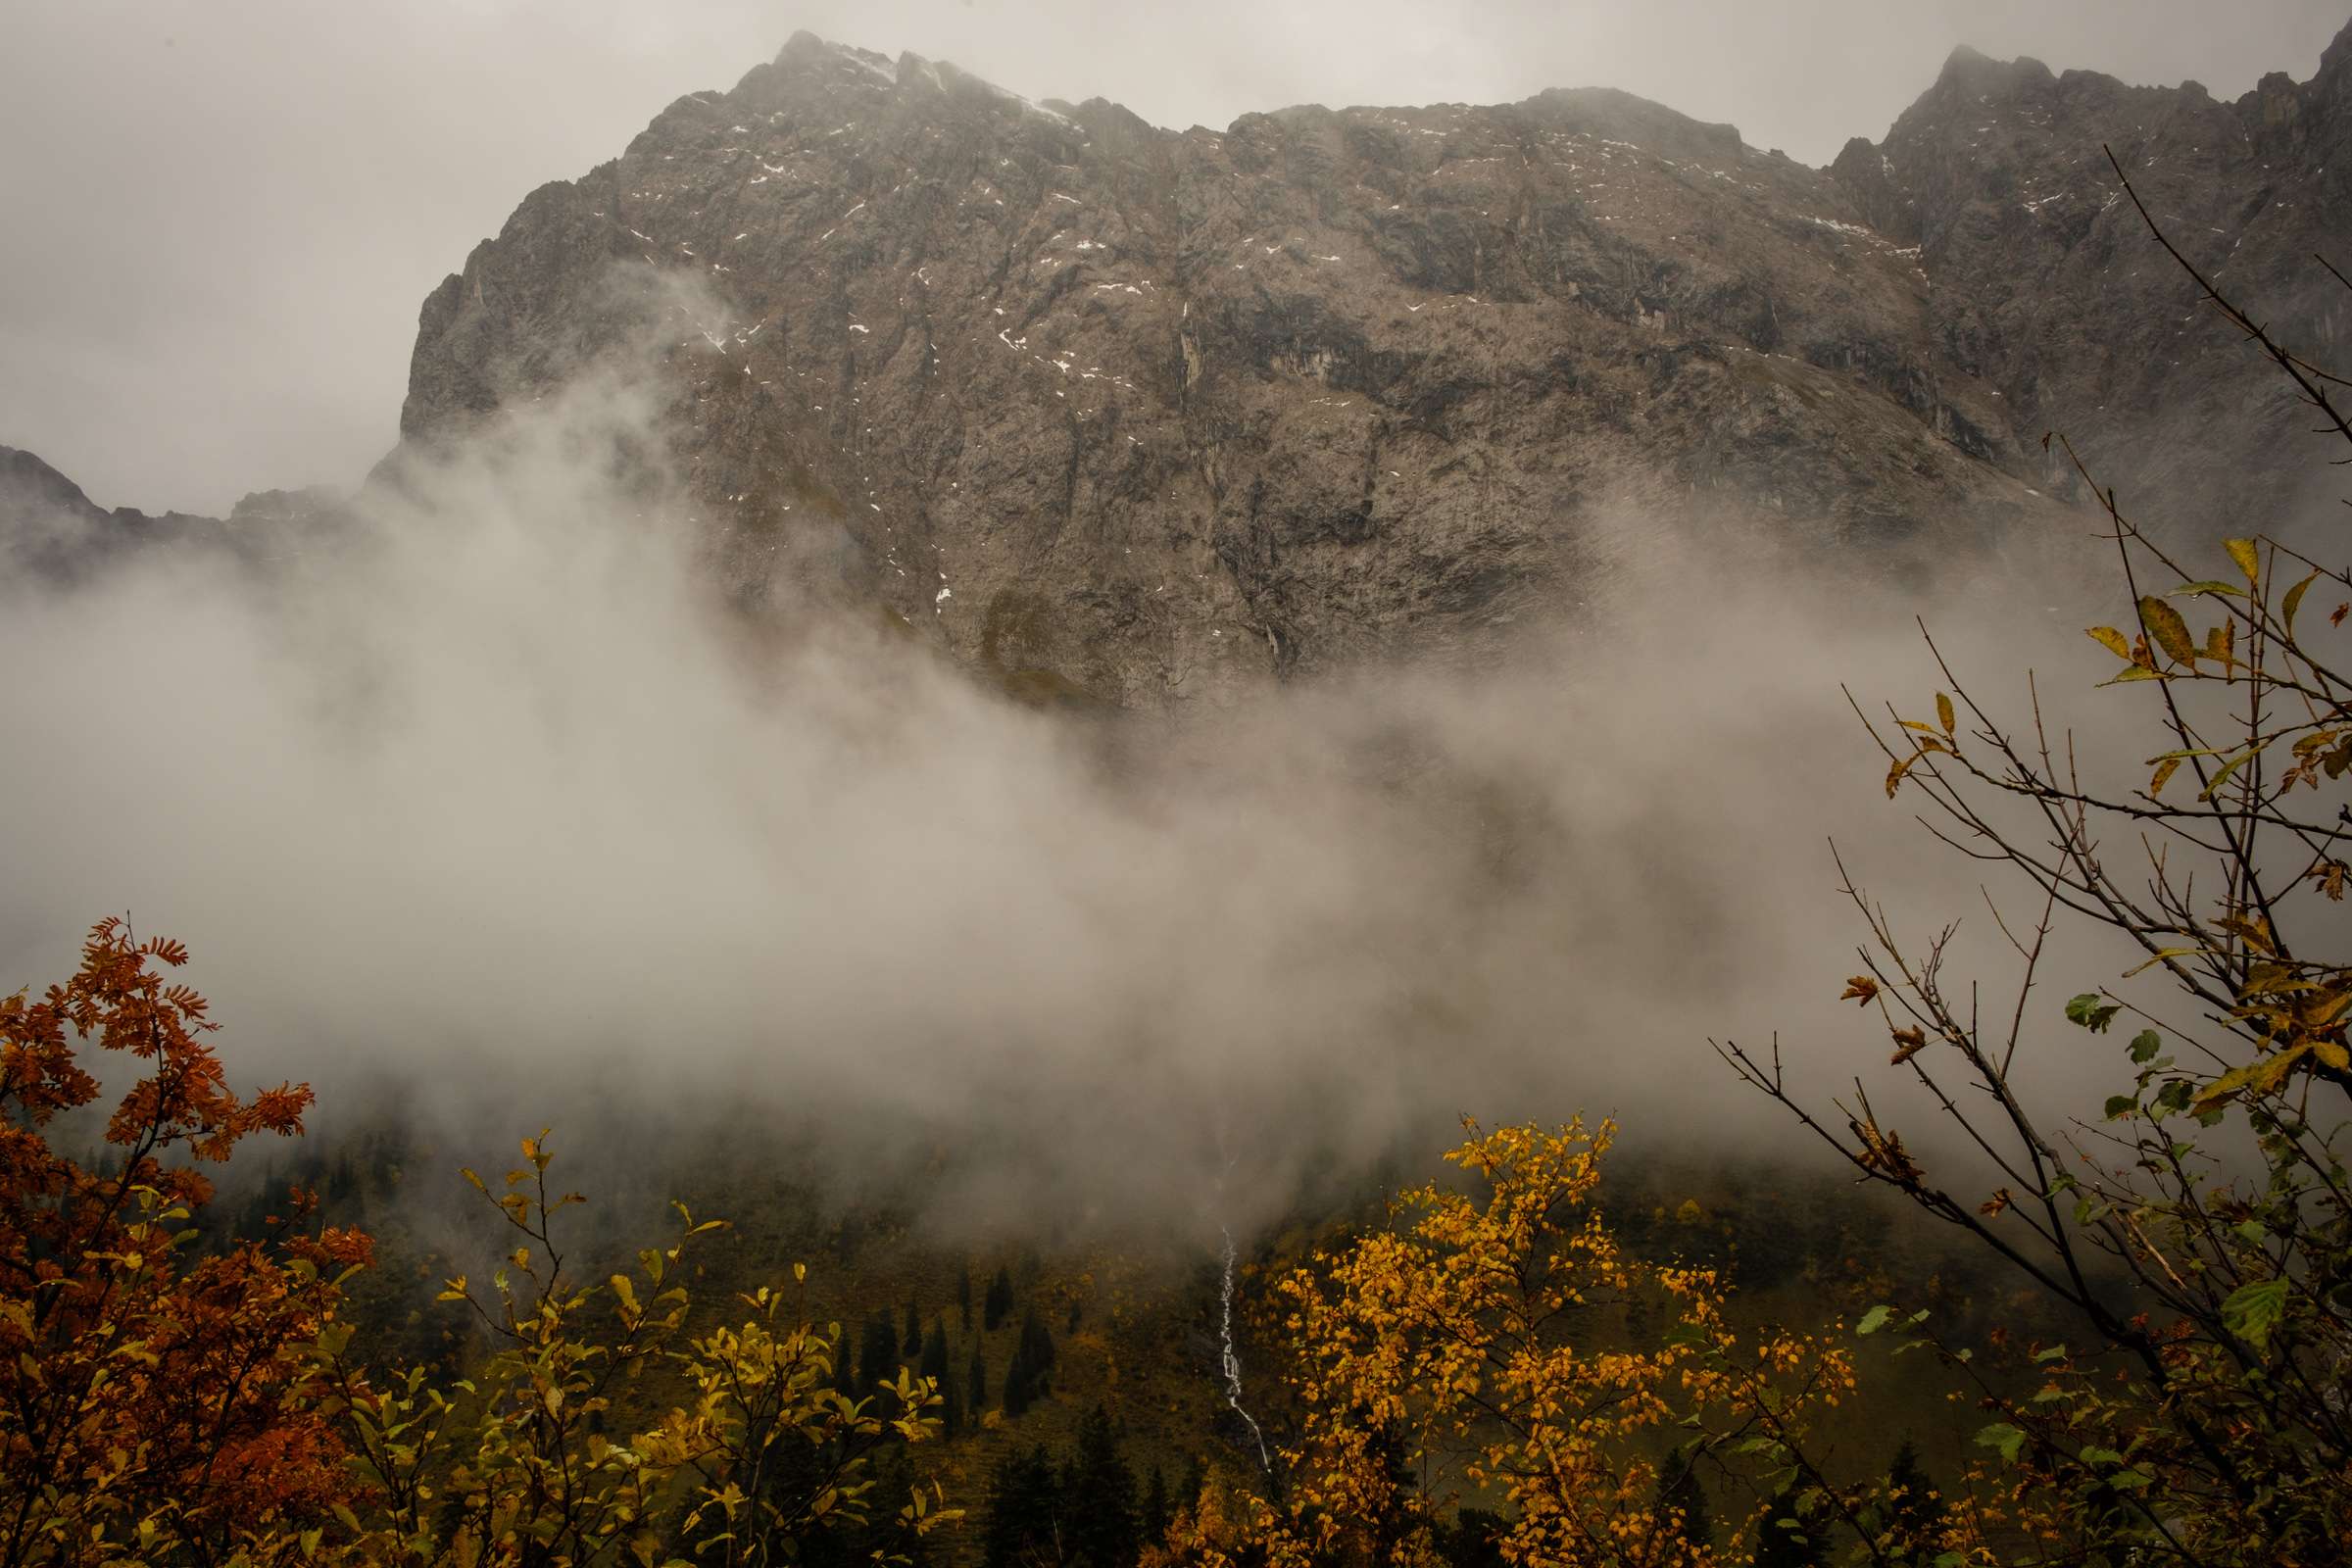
(2163, 774)
(2112, 640)
(2294, 598)
(2261, 1076)
(2247, 556)
(2319, 1014)
(1943, 711)
(2167, 629)
(2333, 1052)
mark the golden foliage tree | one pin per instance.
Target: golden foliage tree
(1475, 1351)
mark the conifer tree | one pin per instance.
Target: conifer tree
(1187, 1492)
(1679, 1489)
(1151, 1520)
(877, 1353)
(1017, 1382)
(963, 1297)
(1103, 1530)
(1036, 1346)
(998, 1304)
(1913, 1509)
(911, 1343)
(1782, 1539)
(975, 1380)
(1024, 1506)
(934, 1363)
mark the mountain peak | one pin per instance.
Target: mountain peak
(1974, 70)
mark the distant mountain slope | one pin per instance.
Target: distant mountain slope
(52, 532)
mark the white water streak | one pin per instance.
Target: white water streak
(1233, 1361)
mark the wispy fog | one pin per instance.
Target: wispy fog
(496, 801)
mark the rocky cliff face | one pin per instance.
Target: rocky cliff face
(2048, 288)
(1137, 413)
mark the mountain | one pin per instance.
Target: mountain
(1142, 413)
(2048, 288)
(1136, 416)
(54, 533)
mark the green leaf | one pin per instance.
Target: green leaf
(2119, 1106)
(2009, 1439)
(2167, 630)
(2231, 766)
(1874, 1320)
(2162, 955)
(2101, 1456)
(2252, 1311)
(2294, 598)
(2093, 1014)
(2247, 555)
(2191, 590)
(2145, 1045)
(2130, 1479)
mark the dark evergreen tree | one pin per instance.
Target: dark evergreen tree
(1914, 1512)
(1103, 1530)
(1678, 1488)
(1037, 1342)
(998, 1304)
(1152, 1519)
(1023, 1512)
(1019, 1382)
(975, 1381)
(911, 1343)
(845, 1367)
(1028, 1377)
(963, 1297)
(877, 1353)
(1472, 1541)
(1785, 1540)
(935, 1367)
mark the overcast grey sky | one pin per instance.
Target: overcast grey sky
(218, 218)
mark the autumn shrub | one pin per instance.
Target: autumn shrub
(2198, 1231)
(158, 1406)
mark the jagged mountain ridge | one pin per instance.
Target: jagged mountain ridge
(1141, 414)
(52, 532)
(2049, 288)
(1142, 411)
